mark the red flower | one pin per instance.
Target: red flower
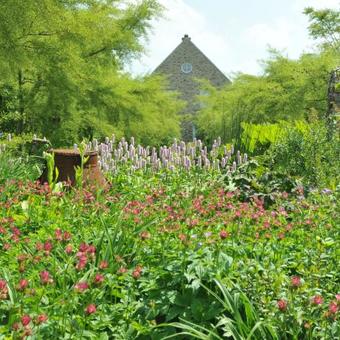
(15, 326)
(144, 235)
(282, 305)
(121, 270)
(48, 246)
(41, 319)
(81, 286)
(223, 234)
(137, 272)
(67, 236)
(90, 309)
(45, 277)
(99, 278)
(23, 283)
(296, 281)
(317, 300)
(3, 289)
(25, 320)
(103, 265)
(68, 249)
(59, 235)
(333, 307)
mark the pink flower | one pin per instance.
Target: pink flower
(15, 326)
(282, 305)
(23, 283)
(25, 320)
(337, 296)
(103, 264)
(144, 235)
(223, 234)
(48, 246)
(333, 307)
(137, 272)
(68, 249)
(67, 236)
(91, 249)
(296, 281)
(121, 270)
(3, 289)
(59, 235)
(90, 309)
(45, 277)
(317, 300)
(41, 319)
(81, 286)
(99, 278)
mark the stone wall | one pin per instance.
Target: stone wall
(185, 83)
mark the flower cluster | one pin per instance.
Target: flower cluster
(179, 155)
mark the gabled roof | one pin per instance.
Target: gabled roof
(202, 66)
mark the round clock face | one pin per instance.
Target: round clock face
(186, 68)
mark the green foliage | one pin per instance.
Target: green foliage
(325, 25)
(306, 151)
(258, 137)
(63, 72)
(17, 167)
(165, 242)
(288, 90)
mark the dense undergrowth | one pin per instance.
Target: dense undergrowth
(194, 254)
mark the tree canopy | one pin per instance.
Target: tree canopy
(62, 70)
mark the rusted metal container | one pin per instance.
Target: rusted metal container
(66, 160)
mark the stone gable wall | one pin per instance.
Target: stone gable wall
(185, 83)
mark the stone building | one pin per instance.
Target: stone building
(183, 67)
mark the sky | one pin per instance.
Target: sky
(234, 34)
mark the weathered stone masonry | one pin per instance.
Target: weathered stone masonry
(182, 67)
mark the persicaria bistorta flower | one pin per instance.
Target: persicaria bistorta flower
(90, 309)
(282, 305)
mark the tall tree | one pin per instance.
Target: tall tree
(62, 62)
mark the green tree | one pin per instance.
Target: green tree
(287, 90)
(62, 67)
(325, 25)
